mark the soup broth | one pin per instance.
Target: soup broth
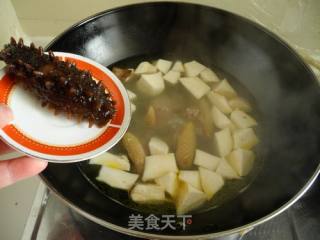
(174, 107)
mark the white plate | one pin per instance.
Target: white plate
(36, 131)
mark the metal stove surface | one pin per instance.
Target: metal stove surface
(53, 220)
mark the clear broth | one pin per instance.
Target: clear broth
(176, 100)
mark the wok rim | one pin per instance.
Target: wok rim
(239, 230)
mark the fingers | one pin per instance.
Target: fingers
(17, 169)
(6, 115)
(4, 148)
(12, 171)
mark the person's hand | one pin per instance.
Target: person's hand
(17, 169)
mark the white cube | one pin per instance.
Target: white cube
(242, 119)
(224, 88)
(226, 171)
(178, 67)
(172, 77)
(242, 161)
(157, 146)
(220, 119)
(151, 84)
(207, 75)
(193, 68)
(195, 86)
(223, 142)
(220, 102)
(145, 67)
(158, 165)
(245, 138)
(163, 65)
(206, 160)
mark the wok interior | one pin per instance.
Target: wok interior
(177, 99)
(285, 92)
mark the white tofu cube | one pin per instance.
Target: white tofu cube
(207, 75)
(206, 160)
(147, 193)
(172, 77)
(226, 171)
(220, 119)
(132, 96)
(242, 119)
(159, 165)
(117, 178)
(225, 89)
(195, 86)
(193, 68)
(211, 182)
(241, 161)
(245, 138)
(189, 198)
(223, 142)
(240, 103)
(192, 177)
(151, 84)
(145, 67)
(220, 102)
(163, 65)
(169, 182)
(178, 67)
(157, 146)
(112, 161)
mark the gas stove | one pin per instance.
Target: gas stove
(52, 219)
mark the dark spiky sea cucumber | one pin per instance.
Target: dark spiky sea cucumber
(59, 85)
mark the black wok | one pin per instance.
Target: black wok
(285, 91)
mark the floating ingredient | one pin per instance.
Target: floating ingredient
(163, 65)
(206, 117)
(135, 151)
(178, 67)
(186, 146)
(124, 74)
(220, 102)
(225, 89)
(196, 87)
(158, 146)
(145, 67)
(191, 177)
(151, 118)
(242, 161)
(206, 160)
(159, 165)
(151, 84)
(111, 160)
(211, 182)
(169, 182)
(189, 198)
(240, 103)
(148, 193)
(193, 68)
(117, 178)
(208, 76)
(172, 77)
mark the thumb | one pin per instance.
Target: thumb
(6, 115)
